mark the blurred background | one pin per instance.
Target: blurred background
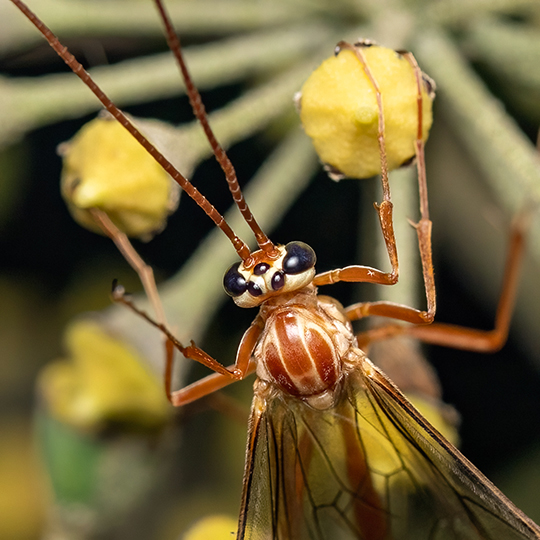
(124, 478)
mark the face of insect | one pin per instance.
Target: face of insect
(252, 282)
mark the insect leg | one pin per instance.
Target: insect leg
(204, 387)
(385, 212)
(243, 366)
(144, 271)
(451, 335)
(191, 351)
(384, 209)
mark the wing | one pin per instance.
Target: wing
(370, 468)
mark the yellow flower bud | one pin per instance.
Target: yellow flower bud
(216, 527)
(106, 168)
(338, 108)
(102, 380)
(436, 417)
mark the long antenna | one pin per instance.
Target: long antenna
(200, 112)
(239, 245)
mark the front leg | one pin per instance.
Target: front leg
(243, 366)
(367, 274)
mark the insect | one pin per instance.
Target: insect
(334, 449)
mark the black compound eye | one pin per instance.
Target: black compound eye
(234, 282)
(300, 257)
(254, 289)
(261, 269)
(278, 280)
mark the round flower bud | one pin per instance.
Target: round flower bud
(106, 168)
(338, 109)
(102, 380)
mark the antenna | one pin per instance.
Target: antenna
(200, 112)
(239, 245)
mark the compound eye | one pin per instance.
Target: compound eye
(300, 257)
(234, 282)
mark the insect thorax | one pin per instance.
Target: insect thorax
(302, 348)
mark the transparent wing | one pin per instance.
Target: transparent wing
(370, 468)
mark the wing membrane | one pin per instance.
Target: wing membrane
(482, 507)
(370, 468)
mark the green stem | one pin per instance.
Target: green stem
(508, 158)
(113, 17)
(29, 103)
